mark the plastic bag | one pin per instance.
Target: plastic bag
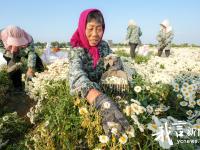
(2, 60)
(143, 50)
(49, 57)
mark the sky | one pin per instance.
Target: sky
(56, 20)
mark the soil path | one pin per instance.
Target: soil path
(19, 102)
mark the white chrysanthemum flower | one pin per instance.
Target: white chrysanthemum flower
(192, 97)
(198, 102)
(123, 139)
(1, 125)
(183, 103)
(186, 94)
(46, 123)
(149, 109)
(179, 96)
(147, 88)
(118, 97)
(176, 87)
(83, 111)
(135, 101)
(192, 102)
(191, 106)
(106, 105)
(141, 127)
(131, 132)
(152, 126)
(195, 86)
(137, 109)
(162, 108)
(5, 118)
(184, 89)
(137, 89)
(114, 131)
(103, 139)
(23, 77)
(185, 84)
(191, 88)
(189, 112)
(127, 110)
(198, 121)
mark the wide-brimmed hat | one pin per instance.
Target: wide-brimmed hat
(17, 41)
(15, 36)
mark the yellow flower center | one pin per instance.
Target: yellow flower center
(197, 126)
(123, 139)
(154, 126)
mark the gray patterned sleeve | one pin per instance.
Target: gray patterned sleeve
(31, 56)
(129, 30)
(78, 78)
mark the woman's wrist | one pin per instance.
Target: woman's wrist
(30, 72)
(92, 95)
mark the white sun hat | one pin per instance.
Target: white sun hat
(132, 22)
(165, 23)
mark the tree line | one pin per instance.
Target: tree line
(67, 44)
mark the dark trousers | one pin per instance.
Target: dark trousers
(167, 52)
(16, 75)
(39, 65)
(132, 49)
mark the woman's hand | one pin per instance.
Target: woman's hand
(111, 115)
(29, 73)
(109, 111)
(92, 95)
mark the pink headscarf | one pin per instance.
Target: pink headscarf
(79, 38)
(14, 36)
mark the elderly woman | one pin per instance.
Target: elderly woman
(165, 37)
(17, 43)
(133, 36)
(87, 67)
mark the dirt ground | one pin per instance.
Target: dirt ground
(19, 102)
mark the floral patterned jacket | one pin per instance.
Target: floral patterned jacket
(133, 34)
(165, 40)
(82, 75)
(28, 52)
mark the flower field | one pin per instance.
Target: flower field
(163, 92)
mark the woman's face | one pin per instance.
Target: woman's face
(94, 32)
(15, 49)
